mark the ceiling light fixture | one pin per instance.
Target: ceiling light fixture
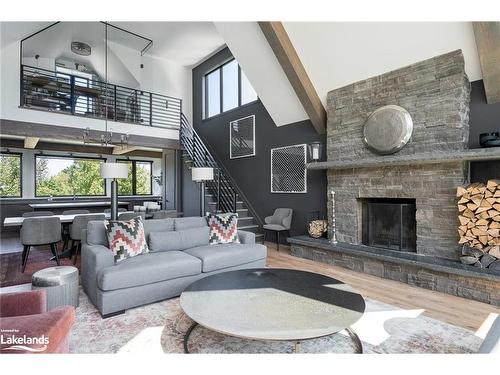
(80, 48)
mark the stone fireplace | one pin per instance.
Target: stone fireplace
(436, 94)
(417, 184)
(389, 224)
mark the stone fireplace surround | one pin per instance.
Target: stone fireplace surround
(436, 94)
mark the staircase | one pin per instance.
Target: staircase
(222, 194)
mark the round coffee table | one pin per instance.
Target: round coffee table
(273, 304)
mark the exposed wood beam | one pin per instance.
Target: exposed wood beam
(120, 150)
(289, 60)
(487, 36)
(80, 149)
(30, 142)
(29, 129)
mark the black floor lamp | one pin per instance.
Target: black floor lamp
(113, 171)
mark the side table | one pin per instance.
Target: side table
(60, 283)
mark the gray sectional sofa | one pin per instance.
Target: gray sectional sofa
(179, 255)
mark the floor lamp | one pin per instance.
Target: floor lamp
(113, 171)
(202, 175)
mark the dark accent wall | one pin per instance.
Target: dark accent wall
(253, 174)
(483, 118)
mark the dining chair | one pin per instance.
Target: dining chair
(125, 216)
(38, 231)
(65, 226)
(279, 221)
(38, 213)
(75, 231)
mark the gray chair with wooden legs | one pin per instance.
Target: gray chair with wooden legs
(38, 213)
(130, 215)
(75, 232)
(280, 221)
(65, 226)
(37, 231)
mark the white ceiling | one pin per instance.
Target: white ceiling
(184, 43)
(336, 54)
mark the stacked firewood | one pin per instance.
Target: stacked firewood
(479, 230)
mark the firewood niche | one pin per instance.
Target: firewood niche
(479, 230)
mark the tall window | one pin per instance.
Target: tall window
(68, 176)
(10, 175)
(139, 181)
(226, 87)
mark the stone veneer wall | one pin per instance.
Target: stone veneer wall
(436, 94)
(433, 186)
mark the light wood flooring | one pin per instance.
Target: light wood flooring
(444, 307)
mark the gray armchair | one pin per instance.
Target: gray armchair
(280, 221)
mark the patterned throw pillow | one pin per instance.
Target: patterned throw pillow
(126, 238)
(223, 228)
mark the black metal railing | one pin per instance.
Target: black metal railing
(223, 188)
(76, 95)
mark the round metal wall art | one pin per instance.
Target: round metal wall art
(388, 129)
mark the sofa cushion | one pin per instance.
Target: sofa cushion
(181, 223)
(223, 228)
(216, 257)
(96, 231)
(126, 238)
(178, 240)
(148, 268)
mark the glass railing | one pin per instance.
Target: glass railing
(60, 92)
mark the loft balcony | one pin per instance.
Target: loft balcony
(76, 95)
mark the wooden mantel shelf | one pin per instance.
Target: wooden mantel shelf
(428, 158)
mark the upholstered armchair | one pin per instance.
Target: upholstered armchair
(25, 314)
(280, 221)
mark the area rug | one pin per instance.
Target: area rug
(160, 328)
(39, 258)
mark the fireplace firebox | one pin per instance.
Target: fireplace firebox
(389, 223)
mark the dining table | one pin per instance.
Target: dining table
(65, 219)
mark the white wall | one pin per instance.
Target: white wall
(336, 54)
(28, 168)
(256, 58)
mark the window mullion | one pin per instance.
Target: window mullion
(134, 178)
(221, 96)
(239, 86)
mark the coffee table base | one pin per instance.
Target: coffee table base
(350, 331)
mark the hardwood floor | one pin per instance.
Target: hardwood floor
(447, 308)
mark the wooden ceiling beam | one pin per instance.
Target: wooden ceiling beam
(289, 60)
(80, 149)
(31, 142)
(487, 36)
(121, 150)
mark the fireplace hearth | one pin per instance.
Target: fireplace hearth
(389, 224)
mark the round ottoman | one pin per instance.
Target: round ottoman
(60, 283)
